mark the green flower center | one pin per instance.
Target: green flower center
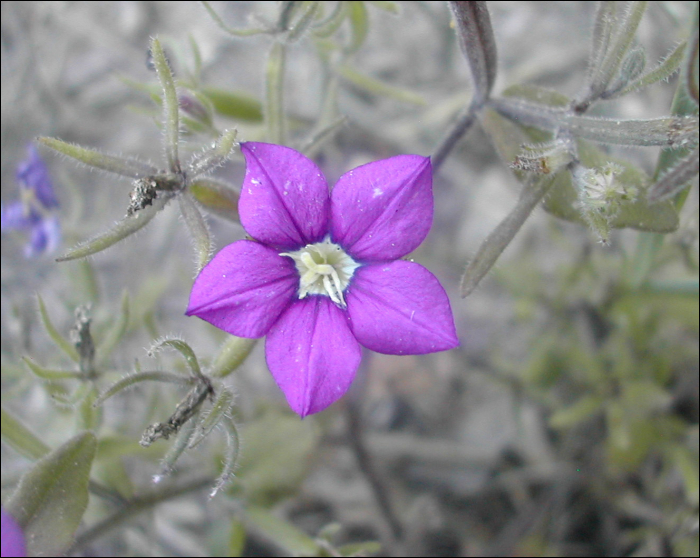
(324, 268)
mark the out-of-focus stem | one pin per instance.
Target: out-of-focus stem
(274, 97)
(137, 505)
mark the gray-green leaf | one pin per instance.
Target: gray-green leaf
(52, 496)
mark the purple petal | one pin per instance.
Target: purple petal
(44, 238)
(284, 200)
(244, 289)
(12, 537)
(400, 308)
(383, 210)
(312, 354)
(15, 216)
(32, 174)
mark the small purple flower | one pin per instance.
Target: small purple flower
(33, 212)
(323, 275)
(12, 537)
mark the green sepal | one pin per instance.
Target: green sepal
(231, 355)
(234, 104)
(216, 196)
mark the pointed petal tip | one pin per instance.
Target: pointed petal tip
(400, 308)
(383, 210)
(284, 200)
(312, 354)
(244, 289)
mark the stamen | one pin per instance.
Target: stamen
(324, 268)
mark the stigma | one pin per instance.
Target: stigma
(325, 269)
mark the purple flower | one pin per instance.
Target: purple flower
(322, 275)
(12, 537)
(33, 212)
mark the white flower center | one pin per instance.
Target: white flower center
(324, 268)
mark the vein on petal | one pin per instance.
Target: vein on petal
(290, 214)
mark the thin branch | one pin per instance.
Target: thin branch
(366, 465)
(460, 128)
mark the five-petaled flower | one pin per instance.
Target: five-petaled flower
(34, 211)
(322, 275)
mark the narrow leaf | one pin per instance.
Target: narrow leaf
(49, 374)
(181, 443)
(691, 67)
(477, 42)
(359, 23)
(133, 379)
(326, 27)
(127, 226)
(665, 69)
(184, 349)
(303, 23)
(216, 156)
(198, 228)
(66, 346)
(577, 412)
(377, 87)
(673, 181)
(52, 496)
(20, 438)
(274, 94)
(315, 143)
(393, 8)
(233, 442)
(110, 163)
(231, 30)
(490, 250)
(220, 408)
(624, 30)
(668, 131)
(171, 119)
(603, 30)
(236, 538)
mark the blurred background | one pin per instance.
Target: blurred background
(566, 424)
